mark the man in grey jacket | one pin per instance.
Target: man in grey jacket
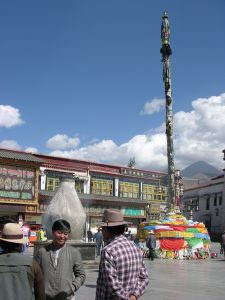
(61, 265)
(222, 243)
(20, 275)
(151, 244)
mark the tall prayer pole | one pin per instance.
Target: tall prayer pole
(166, 52)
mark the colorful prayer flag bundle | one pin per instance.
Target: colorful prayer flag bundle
(177, 237)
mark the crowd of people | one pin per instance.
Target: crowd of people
(57, 271)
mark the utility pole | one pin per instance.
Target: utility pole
(166, 52)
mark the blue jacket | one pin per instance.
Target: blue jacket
(151, 241)
(98, 238)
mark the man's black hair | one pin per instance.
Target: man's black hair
(4, 220)
(61, 225)
(9, 247)
(116, 230)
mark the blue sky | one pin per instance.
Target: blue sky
(83, 79)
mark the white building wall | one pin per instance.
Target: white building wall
(141, 189)
(43, 178)
(116, 182)
(208, 215)
(87, 185)
(223, 207)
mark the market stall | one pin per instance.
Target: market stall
(177, 237)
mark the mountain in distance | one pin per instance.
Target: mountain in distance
(200, 170)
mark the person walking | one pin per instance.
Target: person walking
(98, 241)
(122, 273)
(129, 235)
(151, 245)
(61, 264)
(222, 243)
(20, 275)
(89, 235)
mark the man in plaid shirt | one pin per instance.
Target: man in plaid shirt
(122, 273)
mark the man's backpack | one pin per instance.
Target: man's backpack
(14, 280)
(151, 242)
(148, 242)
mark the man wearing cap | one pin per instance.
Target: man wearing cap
(122, 273)
(61, 264)
(151, 244)
(222, 243)
(19, 274)
(98, 241)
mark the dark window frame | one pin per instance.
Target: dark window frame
(207, 203)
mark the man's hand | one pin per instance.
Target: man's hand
(132, 297)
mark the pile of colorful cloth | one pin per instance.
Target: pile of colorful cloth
(177, 237)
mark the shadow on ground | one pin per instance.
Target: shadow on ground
(93, 286)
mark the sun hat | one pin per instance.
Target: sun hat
(111, 218)
(151, 231)
(13, 233)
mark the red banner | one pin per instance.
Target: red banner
(172, 244)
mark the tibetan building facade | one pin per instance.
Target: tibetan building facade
(206, 203)
(19, 177)
(140, 194)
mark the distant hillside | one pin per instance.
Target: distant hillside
(200, 170)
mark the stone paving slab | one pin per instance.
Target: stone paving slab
(171, 279)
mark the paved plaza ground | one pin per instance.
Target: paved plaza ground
(173, 279)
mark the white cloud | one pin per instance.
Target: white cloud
(31, 150)
(153, 106)
(62, 141)
(9, 116)
(147, 150)
(10, 144)
(101, 151)
(198, 135)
